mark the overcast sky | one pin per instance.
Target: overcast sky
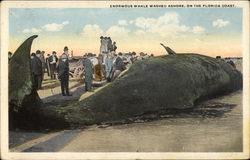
(210, 31)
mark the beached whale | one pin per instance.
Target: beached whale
(176, 81)
(165, 82)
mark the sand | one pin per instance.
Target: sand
(193, 134)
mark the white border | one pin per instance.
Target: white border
(5, 154)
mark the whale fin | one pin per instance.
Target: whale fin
(20, 78)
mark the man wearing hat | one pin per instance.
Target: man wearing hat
(88, 67)
(66, 51)
(118, 65)
(47, 64)
(52, 65)
(63, 73)
(110, 46)
(36, 69)
(114, 47)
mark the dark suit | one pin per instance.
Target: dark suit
(63, 75)
(47, 66)
(37, 71)
(119, 65)
(52, 66)
(110, 46)
(88, 67)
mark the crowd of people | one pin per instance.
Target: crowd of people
(108, 65)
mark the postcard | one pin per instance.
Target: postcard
(125, 80)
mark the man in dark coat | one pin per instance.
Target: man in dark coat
(118, 67)
(63, 74)
(110, 45)
(119, 64)
(52, 65)
(47, 64)
(114, 47)
(36, 70)
(88, 67)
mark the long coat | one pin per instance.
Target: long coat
(110, 45)
(63, 70)
(103, 48)
(88, 67)
(36, 66)
(119, 65)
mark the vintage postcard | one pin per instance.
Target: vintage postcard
(125, 80)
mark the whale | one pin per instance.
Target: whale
(177, 81)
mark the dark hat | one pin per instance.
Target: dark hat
(120, 54)
(89, 54)
(33, 54)
(38, 52)
(101, 37)
(65, 48)
(54, 52)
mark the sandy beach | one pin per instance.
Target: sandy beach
(190, 134)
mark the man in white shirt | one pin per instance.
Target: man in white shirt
(52, 64)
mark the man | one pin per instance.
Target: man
(47, 64)
(98, 70)
(52, 65)
(108, 66)
(63, 73)
(66, 51)
(102, 47)
(114, 47)
(169, 50)
(119, 66)
(133, 57)
(42, 58)
(110, 46)
(36, 69)
(105, 42)
(88, 67)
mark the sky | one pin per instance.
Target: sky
(209, 31)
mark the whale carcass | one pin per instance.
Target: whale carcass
(177, 81)
(165, 82)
